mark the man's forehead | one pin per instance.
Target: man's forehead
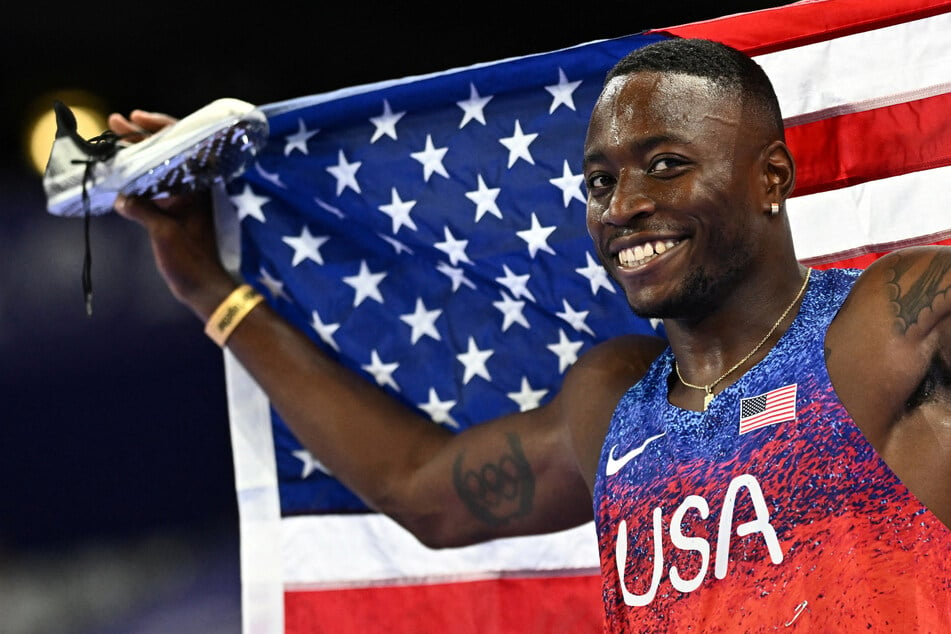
(653, 87)
(672, 99)
(646, 107)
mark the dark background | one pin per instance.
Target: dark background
(114, 427)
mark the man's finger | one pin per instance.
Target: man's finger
(138, 209)
(139, 124)
(152, 121)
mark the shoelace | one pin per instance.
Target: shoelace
(107, 140)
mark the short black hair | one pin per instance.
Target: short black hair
(721, 64)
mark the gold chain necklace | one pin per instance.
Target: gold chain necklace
(708, 389)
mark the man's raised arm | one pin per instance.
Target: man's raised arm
(524, 473)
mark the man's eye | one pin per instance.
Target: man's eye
(598, 180)
(664, 164)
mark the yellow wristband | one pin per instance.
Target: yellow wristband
(230, 313)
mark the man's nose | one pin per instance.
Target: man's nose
(629, 201)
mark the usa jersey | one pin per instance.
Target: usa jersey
(769, 511)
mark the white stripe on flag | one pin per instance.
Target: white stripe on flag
(337, 551)
(863, 70)
(885, 211)
(262, 584)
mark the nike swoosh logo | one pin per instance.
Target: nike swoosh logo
(616, 464)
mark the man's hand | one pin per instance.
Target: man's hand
(182, 232)
(181, 228)
(139, 125)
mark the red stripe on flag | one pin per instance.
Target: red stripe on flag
(862, 146)
(541, 605)
(806, 22)
(780, 406)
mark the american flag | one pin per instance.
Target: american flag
(775, 406)
(429, 232)
(431, 235)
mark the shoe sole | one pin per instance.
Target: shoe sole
(212, 145)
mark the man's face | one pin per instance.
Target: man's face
(671, 167)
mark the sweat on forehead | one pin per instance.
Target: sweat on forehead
(722, 65)
(645, 107)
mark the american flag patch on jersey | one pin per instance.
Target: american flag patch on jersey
(776, 406)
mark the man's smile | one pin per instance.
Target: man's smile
(643, 253)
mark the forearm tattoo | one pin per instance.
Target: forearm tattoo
(911, 295)
(497, 493)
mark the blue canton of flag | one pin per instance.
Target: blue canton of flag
(431, 235)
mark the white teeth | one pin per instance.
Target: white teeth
(643, 253)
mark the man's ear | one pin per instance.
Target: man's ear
(779, 171)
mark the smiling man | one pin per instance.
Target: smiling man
(783, 460)
(775, 439)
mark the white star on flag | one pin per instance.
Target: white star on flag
(596, 275)
(517, 284)
(422, 322)
(345, 173)
(250, 204)
(537, 237)
(298, 140)
(431, 159)
(517, 145)
(473, 107)
(569, 184)
(566, 350)
(511, 310)
(562, 92)
(439, 410)
(306, 246)
(324, 331)
(399, 211)
(385, 123)
(527, 398)
(484, 199)
(575, 317)
(274, 286)
(381, 372)
(310, 464)
(366, 284)
(454, 248)
(474, 360)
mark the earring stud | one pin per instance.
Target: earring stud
(773, 209)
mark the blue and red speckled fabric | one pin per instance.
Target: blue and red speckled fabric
(796, 525)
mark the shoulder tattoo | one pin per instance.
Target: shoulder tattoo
(497, 492)
(913, 293)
